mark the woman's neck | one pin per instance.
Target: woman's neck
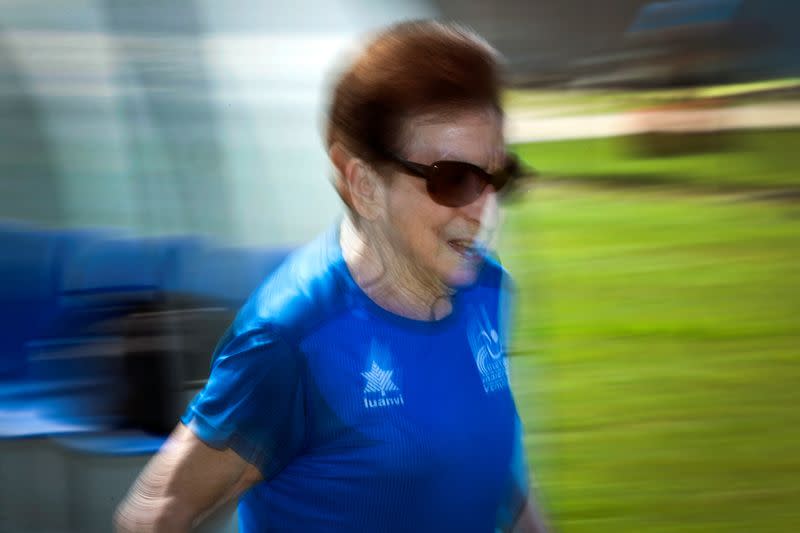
(390, 279)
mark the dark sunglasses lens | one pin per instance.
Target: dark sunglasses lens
(500, 180)
(455, 184)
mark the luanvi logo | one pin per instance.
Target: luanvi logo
(380, 390)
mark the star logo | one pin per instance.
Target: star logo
(380, 389)
(379, 380)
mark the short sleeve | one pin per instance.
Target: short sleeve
(253, 402)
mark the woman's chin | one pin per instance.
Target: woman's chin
(463, 275)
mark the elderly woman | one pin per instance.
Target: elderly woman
(363, 387)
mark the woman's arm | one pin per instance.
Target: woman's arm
(184, 482)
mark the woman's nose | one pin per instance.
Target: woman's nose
(482, 205)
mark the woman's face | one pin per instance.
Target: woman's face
(442, 240)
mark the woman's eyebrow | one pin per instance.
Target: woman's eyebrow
(480, 163)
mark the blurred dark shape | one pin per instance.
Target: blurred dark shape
(110, 332)
(690, 42)
(166, 353)
(543, 40)
(674, 15)
(638, 43)
(696, 42)
(662, 144)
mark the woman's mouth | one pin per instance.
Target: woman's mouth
(465, 248)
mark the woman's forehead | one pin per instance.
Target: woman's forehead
(475, 136)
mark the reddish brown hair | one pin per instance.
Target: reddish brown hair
(409, 69)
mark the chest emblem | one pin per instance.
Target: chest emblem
(488, 352)
(379, 389)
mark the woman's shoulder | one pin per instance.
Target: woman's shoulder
(301, 292)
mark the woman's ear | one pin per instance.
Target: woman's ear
(360, 184)
(339, 157)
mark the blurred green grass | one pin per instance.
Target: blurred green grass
(745, 159)
(657, 357)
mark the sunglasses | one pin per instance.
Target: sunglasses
(457, 183)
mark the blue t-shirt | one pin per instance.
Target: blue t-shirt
(362, 420)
